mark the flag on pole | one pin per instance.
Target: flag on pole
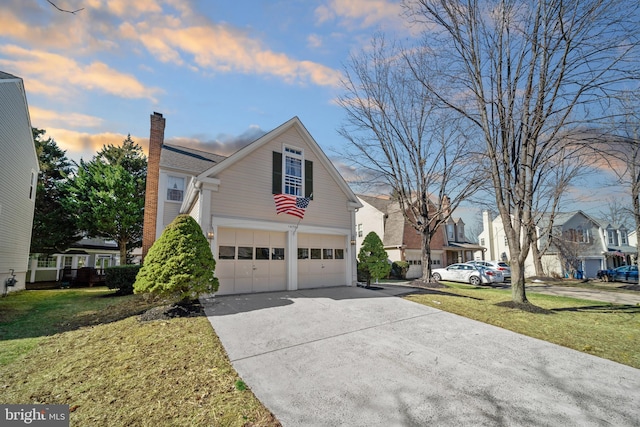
(292, 205)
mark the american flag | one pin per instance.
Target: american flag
(292, 205)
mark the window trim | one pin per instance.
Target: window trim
(33, 185)
(294, 182)
(279, 171)
(177, 177)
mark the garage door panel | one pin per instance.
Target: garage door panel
(326, 271)
(252, 269)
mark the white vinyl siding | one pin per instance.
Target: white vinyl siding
(18, 163)
(246, 189)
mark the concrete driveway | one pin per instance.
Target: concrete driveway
(357, 357)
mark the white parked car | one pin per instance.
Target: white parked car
(496, 265)
(468, 273)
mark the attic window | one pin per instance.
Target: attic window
(293, 171)
(175, 188)
(292, 174)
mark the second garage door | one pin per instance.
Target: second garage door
(321, 261)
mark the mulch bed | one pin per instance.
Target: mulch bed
(166, 312)
(419, 283)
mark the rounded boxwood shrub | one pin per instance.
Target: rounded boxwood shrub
(179, 264)
(121, 277)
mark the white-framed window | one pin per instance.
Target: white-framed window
(450, 232)
(611, 237)
(359, 230)
(482, 241)
(623, 238)
(583, 234)
(293, 171)
(175, 188)
(47, 262)
(33, 185)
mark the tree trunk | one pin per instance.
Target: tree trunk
(518, 293)
(426, 256)
(122, 243)
(537, 259)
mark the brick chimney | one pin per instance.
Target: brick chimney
(156, 139)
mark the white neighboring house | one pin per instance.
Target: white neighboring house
(597, 243)
(18, 178)
(83, 263)
(232, 198)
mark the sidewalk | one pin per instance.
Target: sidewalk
(585, 293)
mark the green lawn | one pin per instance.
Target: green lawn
(87, 348)
(606, 330)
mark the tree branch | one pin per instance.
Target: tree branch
(63, 10)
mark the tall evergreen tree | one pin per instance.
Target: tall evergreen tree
(54, 227)
(107, 195)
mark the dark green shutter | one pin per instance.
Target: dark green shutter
(276, 181)
(308, 179)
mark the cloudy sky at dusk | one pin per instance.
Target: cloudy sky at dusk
(217, 70)
(220, 72)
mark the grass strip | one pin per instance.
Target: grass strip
(610, 331)
(114, 370)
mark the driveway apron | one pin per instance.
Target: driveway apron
(358, 357)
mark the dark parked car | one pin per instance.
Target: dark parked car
(625, 273)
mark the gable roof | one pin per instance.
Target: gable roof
(381, 204)
(295, 122)
(187, 159)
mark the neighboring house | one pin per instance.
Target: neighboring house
(580, 243)
(494, 241)
(403, 242)
(70, 266)
(18, 178)
(232, 198)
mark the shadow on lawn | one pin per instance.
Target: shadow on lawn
(59, 314)
(430, 291)
(632, 309)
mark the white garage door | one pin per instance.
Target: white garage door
(321, 261)
(250, 261)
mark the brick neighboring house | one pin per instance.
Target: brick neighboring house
(234, 201)
(403, 243)
(19, 169)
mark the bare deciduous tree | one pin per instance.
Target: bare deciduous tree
(526, 74)
(622, 153)
(396, 132)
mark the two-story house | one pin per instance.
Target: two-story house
(18, 179)
(277, 213)
(402, 242)
(577, 242)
